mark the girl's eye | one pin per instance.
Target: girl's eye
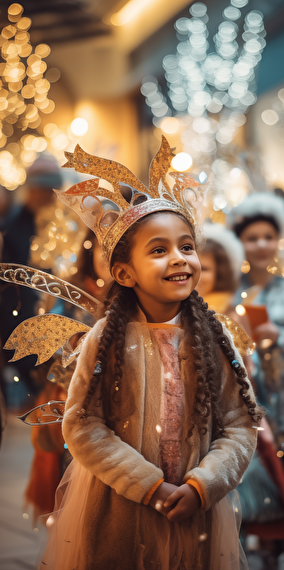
(187, 247)
(158, 250)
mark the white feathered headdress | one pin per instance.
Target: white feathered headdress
(260, 203)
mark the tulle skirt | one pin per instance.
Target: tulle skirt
(175, 545)
(62, 549)
(180, 547)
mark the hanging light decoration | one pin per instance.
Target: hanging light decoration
(210, 91)
(23, 97)
(202, 83)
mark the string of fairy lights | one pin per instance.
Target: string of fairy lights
(24, 89)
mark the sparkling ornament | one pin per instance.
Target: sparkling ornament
(86, 198)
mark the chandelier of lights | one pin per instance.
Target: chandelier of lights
(204, 84)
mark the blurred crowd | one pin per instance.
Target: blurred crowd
(234, 281)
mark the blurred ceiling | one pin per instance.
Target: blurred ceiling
(99, 60)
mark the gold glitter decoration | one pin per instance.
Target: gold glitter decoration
(42, 335)
(149, 346)
(47, 283)
(110, 222)
(50, 413)
(242, 341)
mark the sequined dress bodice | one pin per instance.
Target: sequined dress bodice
(172, 404)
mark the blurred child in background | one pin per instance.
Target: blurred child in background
(51, 457)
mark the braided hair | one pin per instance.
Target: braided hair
(203, 330)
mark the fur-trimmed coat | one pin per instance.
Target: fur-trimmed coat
(122, 451)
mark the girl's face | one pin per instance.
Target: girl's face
(164, 266)
(260, 241)
(208, 274)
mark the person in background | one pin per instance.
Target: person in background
(51, 457)
(221, 260)
(6, 200)
(259, 224)
(18, 303)
(93, 276)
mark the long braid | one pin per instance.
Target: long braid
(202, 397)
(254, 411)
(223, 341)
(118, 313)
(207, 382)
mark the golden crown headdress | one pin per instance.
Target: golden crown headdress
(109, 210)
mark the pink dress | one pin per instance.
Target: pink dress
(172, 405)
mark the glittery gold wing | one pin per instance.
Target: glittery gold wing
(242, 341)
(42, 335)
(47, 283)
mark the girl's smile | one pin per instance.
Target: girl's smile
(178, 277)
(164, 266)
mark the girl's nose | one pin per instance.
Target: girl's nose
(178, 259)
(261, 242)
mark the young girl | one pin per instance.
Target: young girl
(221, 259)
(160, 416)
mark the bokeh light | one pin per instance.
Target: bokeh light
(182, 161)
(23, 97)
(79, 127)
(269, 117)
(170, 125)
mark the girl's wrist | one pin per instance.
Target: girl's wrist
(195, 485)
(151, 492)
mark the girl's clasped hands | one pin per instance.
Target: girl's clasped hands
(176, 503)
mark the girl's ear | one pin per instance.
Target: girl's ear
(123, 274)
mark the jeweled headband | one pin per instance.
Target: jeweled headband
(109, 208)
